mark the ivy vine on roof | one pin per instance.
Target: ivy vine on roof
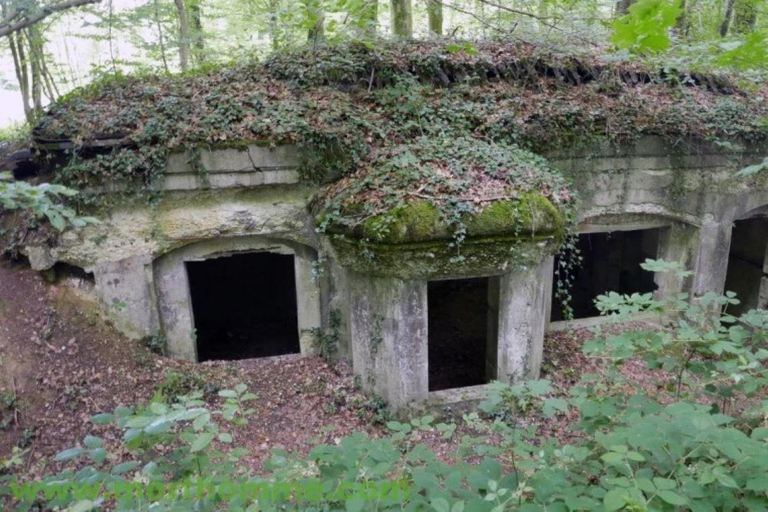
(395, 123)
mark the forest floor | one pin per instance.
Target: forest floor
(61, 362)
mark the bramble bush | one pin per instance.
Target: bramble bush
(633, 450)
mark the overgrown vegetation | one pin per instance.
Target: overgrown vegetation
(701, 444)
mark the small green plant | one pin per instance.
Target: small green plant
(178, 383)
(155, 343)
(42, 201)
(326, 341)
(9, 403)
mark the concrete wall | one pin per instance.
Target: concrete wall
(249, 199)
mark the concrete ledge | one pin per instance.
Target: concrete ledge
(594, 321)
(249, 158)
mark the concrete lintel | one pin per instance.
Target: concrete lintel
(524, 305)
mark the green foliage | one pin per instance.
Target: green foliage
(646, 27)
(326, 341)
(9, 403)
(156, 343)
(633, 450)
(750, 52)
(178, 383)
(41, 201)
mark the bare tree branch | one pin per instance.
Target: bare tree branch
(22, 18)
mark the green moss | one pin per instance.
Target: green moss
(422, 221)
(415, 222)
(429, 260)
(532, 213)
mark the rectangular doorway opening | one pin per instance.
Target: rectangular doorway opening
(746, 264)
(610, 263)
(244, 306)
(462, 333)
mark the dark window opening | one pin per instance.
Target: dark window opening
(746, 261)
(244, 306)
(459, 318)
(610, 262)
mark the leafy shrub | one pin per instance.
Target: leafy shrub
(41, 200)
(632, 451)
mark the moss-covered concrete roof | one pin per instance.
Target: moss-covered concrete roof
(393, 124)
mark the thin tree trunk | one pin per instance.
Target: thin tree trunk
(435, 14)
(622, 7)
(20, 67)
(681, 27)
(198, 39)
(273, 32)
(316, 17)
(402, 18)
(369, 15)
(726, 24)
(161, 39)
(35, 54)
(184, 36)
(744, 16)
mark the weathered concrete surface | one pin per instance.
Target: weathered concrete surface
(126, 288)
(388, 327)
(711, 258)
(227, 168)
(185, 217)
(524, 305)
(175, 302)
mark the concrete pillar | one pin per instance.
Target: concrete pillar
(524, 306)
(678, 242)
(307, 298)
(388, 330)
(712, 258)
(762, 296)
(126, 289)
(492, 334)
(175, 306)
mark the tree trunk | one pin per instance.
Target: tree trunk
(316, 20)
(744, 16)
(161, 39)
(184, 35)
(435, 13)
(196, 29)
(20, 67)
(369, 15)
(273, 32)
(681, 27)
(402, 18)
(622, 7)
(726, 24)
(35, 40)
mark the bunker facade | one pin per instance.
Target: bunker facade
(239, 258)
(680, 203)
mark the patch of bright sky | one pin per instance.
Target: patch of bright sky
(73, 54)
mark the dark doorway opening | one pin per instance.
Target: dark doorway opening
(244, 306)
(610, 262)
(458, 318)
(746, 263)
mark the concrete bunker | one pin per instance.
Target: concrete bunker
(462, 340)
(747, 269)
(610, 262)
(244, 306)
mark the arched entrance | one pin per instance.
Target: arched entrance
(238, 298)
